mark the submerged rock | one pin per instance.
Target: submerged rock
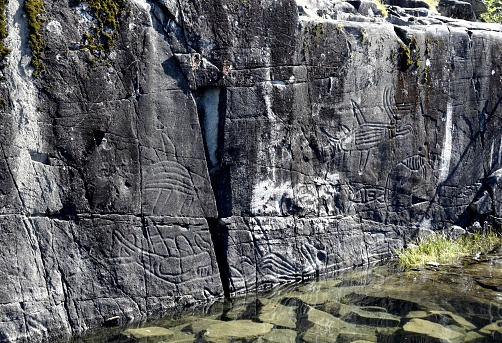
(431, 329)
(493, 328)
(281, 336)
(378, 319)
(325, 327)
(237, 329)
(279, 315)
(152, 331)
(458, 319)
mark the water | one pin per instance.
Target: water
(460, 303)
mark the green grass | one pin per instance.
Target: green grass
(381, 7)
(438, 247)
(494, 14)
(433, 5)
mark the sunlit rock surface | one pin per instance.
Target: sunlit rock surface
(266, 141)
(432, 305)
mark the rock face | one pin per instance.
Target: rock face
(243, 138)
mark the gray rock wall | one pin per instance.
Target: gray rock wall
(106, 189)
(224, 146)
(337, 150)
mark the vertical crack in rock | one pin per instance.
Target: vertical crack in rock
(208, 106)
(219, 237)
(211, 111)
(211, 106)
(11, 174)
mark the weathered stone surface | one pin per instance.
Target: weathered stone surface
(297, 143)
(407, 3)
(236, 329)
(456, 9)
(151, 331)
(105, 198)
(433, 330)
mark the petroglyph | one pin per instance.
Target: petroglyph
(369, 194)
(167, 184)
(416, 163)
(170, 253)
(409, 183)
(366, 135)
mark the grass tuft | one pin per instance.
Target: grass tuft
(440, 248)
(381, 7)
(433, 5)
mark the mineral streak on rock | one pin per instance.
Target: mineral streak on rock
(222, 146)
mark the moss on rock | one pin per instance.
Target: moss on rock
(4, 50)
(35, 11)
(107, 15)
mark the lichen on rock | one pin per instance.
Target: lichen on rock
(106, 14)
(35, 11)
(4, 50)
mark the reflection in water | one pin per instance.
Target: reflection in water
(377, 304)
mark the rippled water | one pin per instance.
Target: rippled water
(379, 304)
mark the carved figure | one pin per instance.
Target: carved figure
(167, 184)
(367, 135)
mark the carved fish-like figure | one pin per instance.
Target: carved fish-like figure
(367, 135)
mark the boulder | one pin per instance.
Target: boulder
(151, 331)
(366, 8)
(456, 9)
(431, 329)
(236, 329)
(407, 3)
(478, 6)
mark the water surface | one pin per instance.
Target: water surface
(461, 303)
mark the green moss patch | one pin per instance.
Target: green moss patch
(107, 15)
(4, 50)
(494, 14)
(408, 53)
(35, 11)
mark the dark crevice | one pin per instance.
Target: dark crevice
(98, 136)
(219, 237)
(40, 157)
(211, 108)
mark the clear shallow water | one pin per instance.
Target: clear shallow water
(377, 304)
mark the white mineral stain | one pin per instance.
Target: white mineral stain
(267, 197)
(22, 90)
(32, 176)
(447, 144)
(142, 4)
